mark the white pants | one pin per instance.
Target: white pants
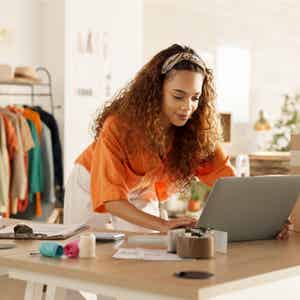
(78, 209)
(78, 205)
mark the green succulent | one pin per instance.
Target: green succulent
(198, 189)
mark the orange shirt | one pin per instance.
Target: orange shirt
(35, 118)
(117, 170)
(32, 116)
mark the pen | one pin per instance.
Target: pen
(34, 253)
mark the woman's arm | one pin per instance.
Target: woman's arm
(127, 211)
(219, 166)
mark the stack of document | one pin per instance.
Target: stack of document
(41, 231)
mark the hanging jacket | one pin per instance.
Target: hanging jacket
(50, 121)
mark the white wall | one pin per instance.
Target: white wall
(35, 37)
(22, 45)
(123, 21)
(22, 21)
(269, 29)
(52, 53)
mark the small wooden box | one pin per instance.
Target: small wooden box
(195, 247)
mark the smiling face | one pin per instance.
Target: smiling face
(181, 94)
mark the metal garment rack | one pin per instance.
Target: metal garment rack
(32, 87)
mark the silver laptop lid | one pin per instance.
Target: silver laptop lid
(250, 208)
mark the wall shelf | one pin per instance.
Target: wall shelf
(32, 88)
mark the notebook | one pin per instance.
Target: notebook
(40, 231)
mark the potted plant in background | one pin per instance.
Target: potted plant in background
(198, 193)
(287, 125)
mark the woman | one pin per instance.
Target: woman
(158, 132)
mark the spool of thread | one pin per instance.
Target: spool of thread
(51, 249)
(171, 238)
(72, 249)
(195, 247)
(87, 246)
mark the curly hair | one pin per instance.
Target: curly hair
(140, 104)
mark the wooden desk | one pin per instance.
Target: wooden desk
(248, 265)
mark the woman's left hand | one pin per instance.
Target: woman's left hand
(285, 232)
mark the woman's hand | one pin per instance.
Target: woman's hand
(127, 211)
(285, 232)
(179, 222)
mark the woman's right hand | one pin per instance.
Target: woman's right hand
(179, 222)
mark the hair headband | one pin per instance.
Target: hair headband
(178, 57)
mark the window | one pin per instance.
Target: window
(233, 82)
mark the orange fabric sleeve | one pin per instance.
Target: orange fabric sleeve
(161, 190)
(219, 166)
(108, 168)
(35, 118)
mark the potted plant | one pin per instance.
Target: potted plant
(198, 192)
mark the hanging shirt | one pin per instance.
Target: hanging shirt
(28, 143)
(117, 170)
(4, 169)
(12, 147)
(27, 140)
(25, 132)
(11, 137)
(19, 175)
(51, 123)
(33, 116)
(23, 204)
(48, 168)
(35, 164)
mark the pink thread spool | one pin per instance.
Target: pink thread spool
(72, 249)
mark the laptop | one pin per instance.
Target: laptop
(250, 208)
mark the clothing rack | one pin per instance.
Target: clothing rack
(32, 87)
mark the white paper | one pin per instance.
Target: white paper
(147, 239)
(146, 254)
